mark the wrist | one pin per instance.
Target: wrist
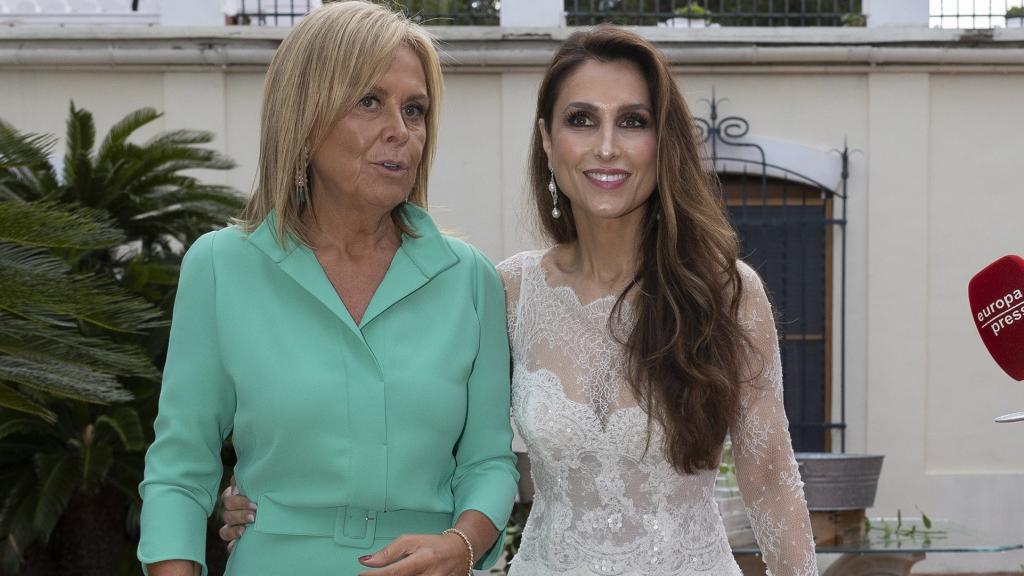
(466, 546)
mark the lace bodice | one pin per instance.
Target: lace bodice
(604, 505)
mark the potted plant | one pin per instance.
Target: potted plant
(692, 15)
(1015, 17)
(854, 20)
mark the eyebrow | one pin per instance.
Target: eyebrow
(419, 97)
(626, 108)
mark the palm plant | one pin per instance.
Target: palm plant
(59, 430)
(89, 255)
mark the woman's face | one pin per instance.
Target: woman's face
(371, 156)
(602, 143)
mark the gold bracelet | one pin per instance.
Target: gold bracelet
(469, 547)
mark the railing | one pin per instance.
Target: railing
(429, 12)
(703, 13)
(976, 14)
(672, 13)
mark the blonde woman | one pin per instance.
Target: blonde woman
(358, 357)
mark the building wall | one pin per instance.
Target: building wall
(935, 193)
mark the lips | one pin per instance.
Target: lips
(392, 165)
(607, 177)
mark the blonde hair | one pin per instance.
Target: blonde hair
(318, 74)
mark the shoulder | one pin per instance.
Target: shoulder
(227, 241)
(473, 261)
(752, 284)
(512, 267)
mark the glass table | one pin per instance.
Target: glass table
(894, 555)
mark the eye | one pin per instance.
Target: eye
(369, 102)
(634, 121)
(414, 111)
(579, 119)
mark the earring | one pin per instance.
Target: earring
(301, 185)
(555, 212)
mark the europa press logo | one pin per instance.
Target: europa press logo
(1002, 312)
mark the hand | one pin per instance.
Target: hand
(239, 512)
(174, 568)
(420, 555)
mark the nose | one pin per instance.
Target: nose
(607, 145)
(395, 130)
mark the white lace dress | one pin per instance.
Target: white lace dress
(601, 505)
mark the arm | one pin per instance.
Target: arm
(485, 476)
(197, 403)
(766, 469)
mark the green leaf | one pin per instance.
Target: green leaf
(34, 284)
(64, 380)
(120, 132)
(96, 461)
(20, 425)
(58, 478)
(926, 520)
(899, 518)
(14, 400)
(125, 423)
(44, 343)
(44, 224)
(78, 166)
(19, 149)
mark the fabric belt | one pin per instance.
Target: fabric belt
(348, 525)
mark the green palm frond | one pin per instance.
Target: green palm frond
(78, 165)
(113, 144)
(36, 285)
(16, 517)
(179, 138)
(45, 343)
(14, 425)
(66, 380)
(124, 422)
(23, 149)
(58, 478)
(96, 462)
(44, 224)
(14, 400)
(126, 474)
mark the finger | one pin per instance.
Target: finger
(238, 503)
(238, 517)
(230, 533)
(233, 484)
(410, 565)
(231, 546)
(400, 547)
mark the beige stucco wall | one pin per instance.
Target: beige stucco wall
(935, 194)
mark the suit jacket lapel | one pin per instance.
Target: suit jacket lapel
(299, 262)
(417, 261)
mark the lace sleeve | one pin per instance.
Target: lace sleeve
(766, 469)
(511, 271)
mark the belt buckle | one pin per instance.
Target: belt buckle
(355, 527)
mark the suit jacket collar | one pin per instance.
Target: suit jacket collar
(417, 261)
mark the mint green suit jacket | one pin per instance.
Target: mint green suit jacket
(405, 415)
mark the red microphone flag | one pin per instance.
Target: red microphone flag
(997, 305)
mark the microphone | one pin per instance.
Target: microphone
(996, 295)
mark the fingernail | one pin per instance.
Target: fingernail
(234, 490)
(365, 558)
(250, 518)
(252, 506)
(241, 531)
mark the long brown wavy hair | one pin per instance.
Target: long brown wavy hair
(686, 352)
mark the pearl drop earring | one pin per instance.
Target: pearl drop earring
(555, 212)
